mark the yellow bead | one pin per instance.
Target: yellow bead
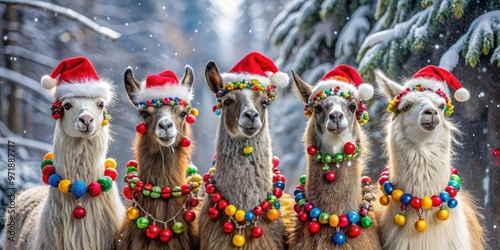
(443, 214)
(104, 123)
(273, 214)
(189, 179)
(230, 210)
(334, 220)
(384, 200)
(109, 163)
(197, 178)
(194, 112)
(421, 225)
(400, 220)
(64, 186)
(195, 190)
(396, 194)
(132, 213)
(48, 156)
(211, 170)
(240, 215)
(426, 202)
(381, 189)
(248, 149)
(239, 240)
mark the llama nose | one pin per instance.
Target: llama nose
(86, 119)
(430, 112)
(251, 115)
(336, 116)
(165, 125)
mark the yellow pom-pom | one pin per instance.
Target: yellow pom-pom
(230, 210)
(421, 225)
(384, 200)
(240, 215)
(64, 185)
(426, 202)
(273, 214)
(248, 149)
(104, 123)
(109, 163)
(197, 178)
(334, 220)
(211, 170)
(132, 213)
(194, 112)
(396, 194)
(48, 156)
(443, 214)
(239, 240)
(400, 220)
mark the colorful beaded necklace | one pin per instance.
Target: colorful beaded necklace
(306, 211)
(239, 218)
(393, 106)
(135, 186)
(447, 196)
(252, 84)
(361, 113)
(78, 188)
(351, 151)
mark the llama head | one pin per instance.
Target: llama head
(244, 110)
(83, 116)
(165, 123)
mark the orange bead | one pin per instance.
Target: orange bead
(384, 200)
(273, 214)
(48, 156)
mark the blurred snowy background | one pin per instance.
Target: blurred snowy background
(310, 37)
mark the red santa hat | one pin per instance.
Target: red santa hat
(348, 79)
(256, 66)
(442, 75)
(76, 77)
(164, 84)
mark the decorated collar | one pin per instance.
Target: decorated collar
(393, 106)
(361, 113)
(78, 188)
(351, 151)
(252, 84)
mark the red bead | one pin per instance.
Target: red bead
(166, 235)
(127, 192)
(265, 205)
(153, 231)
(206, 177)
(45, 178)
(194, 201)
(190, 119)
(331, 176)
(213, 213)
(300, 187)
(386, 169)
(276, 161)
(79, 213)
(314, 227)
(190, 216)
(383, 179)
(311, 150)
(132, 163)
(214, 108)
(222, 204)
(403, 207)
(453, 170)
(279, 177)
(354, 231)
(210, 188)
(278, 192)
(303, 216)
(363, 211)
(48, 170)
(111, 172)
(257, 231)
(258, 211)
(185, 189)
(436, 200)
(343, 220)
(366, 179)
(141, 128)
(94, 189)
(216, 197)
(308, 207)
(451, 190)
(349, 148)
(228, 227)
(385, 173)
(185, 142)
(166, 192)
(415, 203)
(148, 186)
(139, 184)
(297, 208)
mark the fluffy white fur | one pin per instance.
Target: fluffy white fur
(87, 88)
(146, 94)
(279, 79)
(462, 95)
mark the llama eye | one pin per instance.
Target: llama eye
(228, 102)
(183, 114)
(67, 106)
(318, 109)
(264, 103)
(406, 107)
(144, 114)
(352, 107)
(441, 106)
(100, 105)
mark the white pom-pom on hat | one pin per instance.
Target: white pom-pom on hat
(461, 95)
(280, 79)
(365, 91)
(48, 82)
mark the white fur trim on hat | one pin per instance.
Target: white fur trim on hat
(461, 95)
(48, 82)
(160, 92)
(279, 79)
(90, 88)
(365, 91)
(329, 84)
(238, 77)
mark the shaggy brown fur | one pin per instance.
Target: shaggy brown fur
(242, 181)
(161, 166)
(341, 196)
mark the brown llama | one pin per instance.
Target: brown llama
(334, 210)
(161, 215)
(425, 208)
(242, 207)
(82, 208)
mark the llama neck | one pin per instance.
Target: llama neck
(243, 181)
(79, 158)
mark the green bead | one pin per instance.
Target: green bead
(146, 192)
(106, 183)
(456, 178)
(192, 169)
(178, 228)
(323, 218)
(272, 199)
(318, 157)
(176, 192)
(142, 222)
(326, 167)
(158, 104)
(156, 189)
(327, 158)
(303, 179)
(132, 185)
(301, 202)
(45, 163)
(155, 195)
(131, 169)
(349, 157)
(339, 157)
(366, 222)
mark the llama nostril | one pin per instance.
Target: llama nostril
(430, 112)
(170, 125)
(336, 115)
(86, 119)
(251, 115)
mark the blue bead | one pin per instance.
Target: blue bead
(154, 101)
(176, 98)
(454, 184)
(299, 196)
(405, 198)
(277, 205)
(353, 217)
(445, 196)
(78, 188)
(217, 112)
(327, 92)
(54, 180)
(297, 191)
(338, 238)
(280, 185)
(452, 203)
(314, 213)
(249, 216)
(388, 187)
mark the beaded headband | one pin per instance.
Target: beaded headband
(361, 113)
(253, 84)
(393, 105)
(170, 101)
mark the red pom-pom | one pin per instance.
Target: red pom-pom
(48, 170)
(111, 172)
(190, 119)
(349, 148)
(141, 128)
(132, 163)
(276, 161)
(94, 189)
(189, 216)
(185, 142)
(127, 192)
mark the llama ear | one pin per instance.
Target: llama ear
(188, 79)
(387, 87)
(302, 89)
(213, 77)
(131, 85)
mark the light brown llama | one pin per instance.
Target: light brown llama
(334, 166)
(242, 182)
(163, 154)
(80, 145)
(419, 140)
